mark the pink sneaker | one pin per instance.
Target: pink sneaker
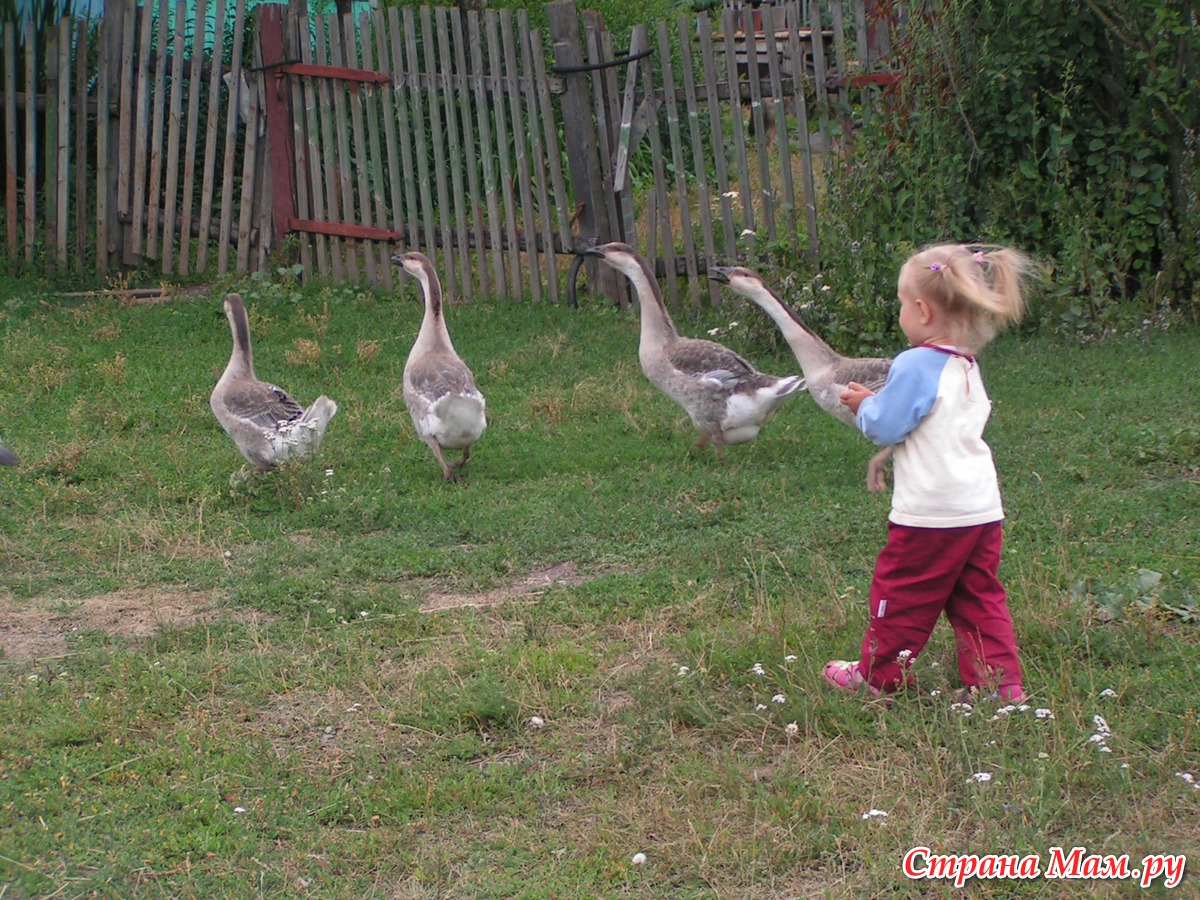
(844, 675)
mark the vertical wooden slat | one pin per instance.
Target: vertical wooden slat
(764, 191)
(342, 133)
(333, 191)
(11, 222)
(173, 128)
(64, 138)
(553, 158)
(717, 133)
(487, 158)
(127, 123)
(210, 135)
(373, 104)
(49, 97)
(253, 172)
(102, 165)
(454, 148)
(539, 171)
(496, 68)
(773, 20)
(189, 154)
(615, 131)
(746, 190)
(389, 133)
(700, 172)
(295, 31)
(819, 76)
(681, 186)
(862, 47)
(660, 178)
(154, 188)
(400, 78)
(417, 124)
(31, 151)
(142, 130)
(231, 124)
(800, 75)
(360, 161)
(329, 256)
(80, 193)
(464, 82)
(521, 154)
(437, 140)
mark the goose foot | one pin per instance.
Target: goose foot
(877, 471)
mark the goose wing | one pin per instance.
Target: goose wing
(710, 361)
(436, 375)
(870, 373)
(262, 403)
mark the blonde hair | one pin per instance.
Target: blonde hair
(982, 290)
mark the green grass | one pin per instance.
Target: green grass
(378, 750)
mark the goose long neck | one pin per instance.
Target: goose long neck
(811, 352)
(241, 358)
(657, 327)
(433, 334)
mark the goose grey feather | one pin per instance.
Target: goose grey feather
(266, 423)
(447, 409)
(7, 457)
(727, 399)
(827, 372)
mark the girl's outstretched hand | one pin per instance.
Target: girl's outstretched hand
(854, 395)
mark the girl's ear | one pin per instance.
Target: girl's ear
(924, 309)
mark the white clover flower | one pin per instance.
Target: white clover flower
(903, 656)
(791, 657)
(1101, 725)
(1104, 748)
(792, 729)
(684, 670)
(1108, 692)
(638, 859)
(1096, 739)
(935, 693)
(239, 809)
(536, 721)
(1024, 707)
(982, 777)
(779, 698)
(1043, 713)
(1187, 777)
(757, 669)
(875, 814)
(759, 707)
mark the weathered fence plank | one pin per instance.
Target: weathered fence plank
(9, 31)
(210, 140)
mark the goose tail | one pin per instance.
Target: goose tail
(7, 457)
(313, 423)
(792, 384)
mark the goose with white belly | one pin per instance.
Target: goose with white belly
(727, 399)
(447, 409)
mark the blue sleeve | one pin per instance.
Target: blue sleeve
(906, 398)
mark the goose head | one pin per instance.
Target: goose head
(623, 258)
(742, 281)
(414, 263)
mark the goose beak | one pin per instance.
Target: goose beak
(720, 273)
(398, 259)
(592, 251)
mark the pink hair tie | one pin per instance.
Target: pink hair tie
(978, 254)
(936, 267)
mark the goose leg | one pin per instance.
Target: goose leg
(462, 463)
(447, 471)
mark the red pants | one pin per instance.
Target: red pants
(920, 573)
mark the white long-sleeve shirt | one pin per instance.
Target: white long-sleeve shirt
(934, 408)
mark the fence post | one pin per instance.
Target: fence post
(583, 158)
(281, 145)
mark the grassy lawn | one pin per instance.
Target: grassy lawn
(351, 679)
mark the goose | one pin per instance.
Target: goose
(7, 457)
(266, 424)
(727, 399)
(447, 409)
(825, 370)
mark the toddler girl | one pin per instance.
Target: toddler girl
(943, 548)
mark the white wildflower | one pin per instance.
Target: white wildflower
(875, 814)
(1043, 713)
(759, 707)
(239, 809)
(1101, 725)
(536, 721)
(363, 614)
(982, 777)
(730, 195)
(792, 729)
(903, 656)
(329, 473)
(1108, 692)
(638, 859)
(684, 670)
(935, 693)
(748, 232)
(1105, 749)
(1096, 739)
(791, 657)
(757, 669)
(1188, 778)
(779, 698)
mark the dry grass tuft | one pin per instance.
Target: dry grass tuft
(306, 353)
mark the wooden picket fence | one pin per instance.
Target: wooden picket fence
(332, 143)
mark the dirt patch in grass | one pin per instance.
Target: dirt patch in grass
(532, 584)
(38, 629)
